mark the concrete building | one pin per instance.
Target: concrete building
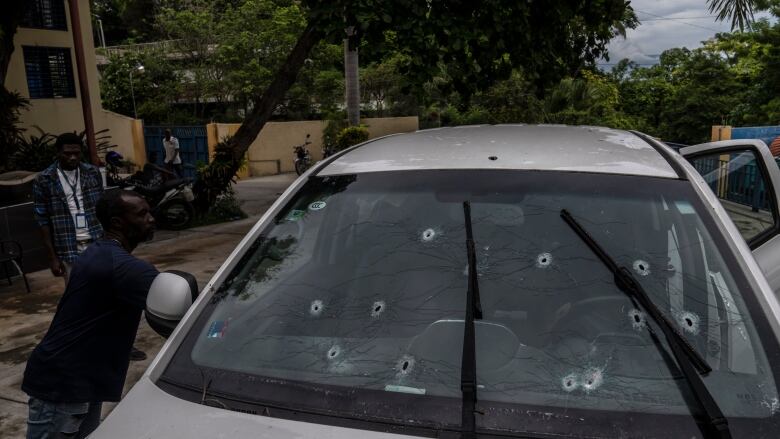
(43, 69)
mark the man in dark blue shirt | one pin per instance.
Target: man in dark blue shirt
(83, 358)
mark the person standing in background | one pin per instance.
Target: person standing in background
(172, 153)
(65, 195)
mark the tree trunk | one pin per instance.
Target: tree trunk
(13, 11)
(352, 81)
(217, 180)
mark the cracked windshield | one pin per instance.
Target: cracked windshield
(361, 281)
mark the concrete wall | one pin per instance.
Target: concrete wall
(272, 150)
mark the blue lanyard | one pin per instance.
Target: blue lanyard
(72, 186)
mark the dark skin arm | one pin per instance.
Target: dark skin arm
(55, 264)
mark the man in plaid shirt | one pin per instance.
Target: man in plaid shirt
(65, 196)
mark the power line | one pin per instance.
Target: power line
(677, 18)
(679, 21)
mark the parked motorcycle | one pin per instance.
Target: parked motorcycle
(170, 200)
(302, 156)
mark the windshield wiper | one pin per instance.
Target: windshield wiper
(468, 367)
(686, 356)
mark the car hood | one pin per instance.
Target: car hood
(149, 412)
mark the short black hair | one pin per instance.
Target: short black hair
(112, 204)
(68, 139)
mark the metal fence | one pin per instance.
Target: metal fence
(735, 181)
(193, 144)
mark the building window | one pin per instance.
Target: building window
(49, 72)
(45, 14)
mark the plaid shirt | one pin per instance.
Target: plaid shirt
(51, 208)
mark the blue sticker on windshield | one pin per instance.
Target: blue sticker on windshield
(217, 329)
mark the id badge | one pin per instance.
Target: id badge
(81, 221)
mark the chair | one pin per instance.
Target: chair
(11, 251)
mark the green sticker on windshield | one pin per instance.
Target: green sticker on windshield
(295, 215)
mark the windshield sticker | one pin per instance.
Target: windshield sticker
(217, 329)
(377, 308)
(404, 389)
(684, 207)
(405, 365)
(642, 267)
(316, 307)
(334, 352)
(295, 215)
(689, 322)
(570, 382)
(592, 379)
(637, 318)
(544, 260)
(317, 205)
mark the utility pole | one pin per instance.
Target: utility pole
(86, 102)
(351, 76)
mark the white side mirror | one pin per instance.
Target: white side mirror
(170, 296)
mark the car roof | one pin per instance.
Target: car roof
(519, 147)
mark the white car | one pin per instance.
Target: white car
(497, 281)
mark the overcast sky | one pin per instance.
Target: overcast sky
(665, 24)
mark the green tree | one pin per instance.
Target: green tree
(154, 89)
(485, 39)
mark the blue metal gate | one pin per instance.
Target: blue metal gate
(193, 145)
(767, 134)
(735, 181)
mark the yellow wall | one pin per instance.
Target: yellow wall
(59, 115)
(121, 130)
(276, 140)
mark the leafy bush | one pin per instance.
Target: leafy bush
(351, 136)
(209, 183)
(35, 153)
(11, 105)
(336, 123)
(227, 207)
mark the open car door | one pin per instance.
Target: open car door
(744, 176)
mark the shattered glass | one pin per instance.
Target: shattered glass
(367, 292)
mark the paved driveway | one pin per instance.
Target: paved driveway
(24, 318)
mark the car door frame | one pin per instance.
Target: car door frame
(764, 159)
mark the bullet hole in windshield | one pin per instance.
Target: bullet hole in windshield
(334, 352)
(642, 267)
(570, 382)
(689, 322)
(405, 365)
(316, 307)
(428, 235)
(492, 157)
(637, 318)
(592, 379)
(544, 260)
(377, 308)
